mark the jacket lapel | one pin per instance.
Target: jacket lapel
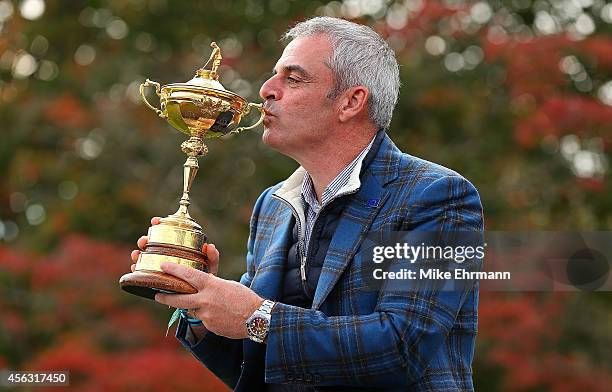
(352, 227)
(357, 218)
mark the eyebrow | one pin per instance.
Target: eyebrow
(294, 68)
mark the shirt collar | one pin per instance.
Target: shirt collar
(347, 181)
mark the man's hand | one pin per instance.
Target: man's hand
(222, 305)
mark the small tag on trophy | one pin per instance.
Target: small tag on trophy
(175, 316)
(222, 121)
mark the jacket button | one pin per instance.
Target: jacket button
(308, 377)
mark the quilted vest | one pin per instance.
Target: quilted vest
(296, 291)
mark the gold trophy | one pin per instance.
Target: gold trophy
(203, 109)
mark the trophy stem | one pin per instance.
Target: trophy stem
(190, 169)
(193, 147)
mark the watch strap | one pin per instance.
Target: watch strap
(266, 306)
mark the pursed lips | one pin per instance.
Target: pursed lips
(267, 110)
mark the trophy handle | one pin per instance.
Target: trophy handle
(258, 106)
(149, 83)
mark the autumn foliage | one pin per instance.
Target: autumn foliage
(65, 311)
(516, 96)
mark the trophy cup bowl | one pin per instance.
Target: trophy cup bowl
(202, 109)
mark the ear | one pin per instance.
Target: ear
(353, 102)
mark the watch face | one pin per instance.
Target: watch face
(258, 326)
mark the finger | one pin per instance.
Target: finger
(194, 277)
(134, 255)
(142, 241)
(212, 252)
(156, 220)
(213, 258)
(133, 267)
(179, 301)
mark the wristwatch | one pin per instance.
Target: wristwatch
(258, 324)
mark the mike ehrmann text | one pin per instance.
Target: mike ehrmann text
(437, 274)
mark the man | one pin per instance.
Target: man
(301, 318)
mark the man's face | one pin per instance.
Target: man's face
(298, 112)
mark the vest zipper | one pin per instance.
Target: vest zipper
(301, 249)
(303, 268)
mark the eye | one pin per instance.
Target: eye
(291, 79)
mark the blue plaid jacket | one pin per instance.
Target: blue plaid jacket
(353, 336)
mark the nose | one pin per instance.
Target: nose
(269, 90)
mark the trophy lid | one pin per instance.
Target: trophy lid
(209, 78)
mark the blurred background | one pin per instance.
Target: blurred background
(515, 95)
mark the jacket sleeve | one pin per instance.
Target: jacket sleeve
(221, 355)
(393, 346)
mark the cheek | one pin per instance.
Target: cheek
(311, 106)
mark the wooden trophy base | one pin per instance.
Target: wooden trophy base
(148, 283)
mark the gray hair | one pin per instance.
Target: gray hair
(360, 57)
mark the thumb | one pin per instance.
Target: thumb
(194, 277)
